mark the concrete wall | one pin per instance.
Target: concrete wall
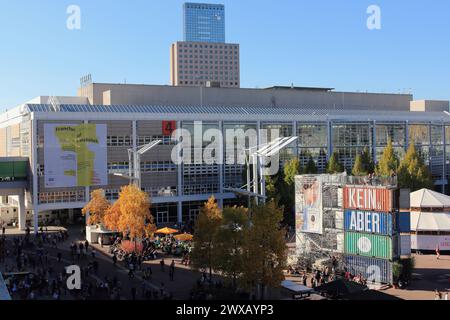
(171, 95)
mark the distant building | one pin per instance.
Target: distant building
(204, 22)
(200, 63)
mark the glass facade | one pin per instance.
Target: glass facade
(161, 178)
(204, 22)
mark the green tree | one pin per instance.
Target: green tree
(207, 224)
(292, 168)
(358, 167)
(229, 242)
(264, 249)
(310, 167)
(272, 185)
(334, 166)
(388, 162)
(412, 172)
(286, 189)
(367, 161)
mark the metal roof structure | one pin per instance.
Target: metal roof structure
(305, 113)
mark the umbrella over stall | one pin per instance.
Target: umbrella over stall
(166, 231)
(184, 237)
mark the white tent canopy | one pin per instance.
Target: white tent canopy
(425, 198)
(430, 221)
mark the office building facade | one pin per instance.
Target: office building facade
(202, 64)
(203, 22)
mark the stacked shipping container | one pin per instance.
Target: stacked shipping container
(371, 238)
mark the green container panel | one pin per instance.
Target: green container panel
(6, 169)
(20, 169)
(13, 169)
(369, 245)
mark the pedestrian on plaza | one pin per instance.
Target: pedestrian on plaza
(114, 259)
(86, 245)
(446, 296)
(162, 263)
(438, 253)
(59, 256)
(3, 228)
(437, 295)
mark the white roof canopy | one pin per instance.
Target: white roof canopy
(429, 199)
(430, 221)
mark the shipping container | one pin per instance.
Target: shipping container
(405, 245)
(404, 199)
(369, 222)
(404, 222)
(369, 245)
(374, 270)
(368, 198)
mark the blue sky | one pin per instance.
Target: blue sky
(308, 43)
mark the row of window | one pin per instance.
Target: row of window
(61, 197)
(222, 83)
(206, 46)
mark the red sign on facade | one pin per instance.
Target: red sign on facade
(368, 198)
(168, 127)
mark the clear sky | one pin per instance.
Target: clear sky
(307, 43)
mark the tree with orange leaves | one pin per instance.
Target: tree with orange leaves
(97, 207)
(130, 214)
(207, 224)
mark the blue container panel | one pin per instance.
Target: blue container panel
(369, 222)
(404, 222)
(374, 270)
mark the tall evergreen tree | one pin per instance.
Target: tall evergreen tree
(334, 166)
(358, 167)
(388, 162)
(310, 167)
(367, 161)
(412, 172)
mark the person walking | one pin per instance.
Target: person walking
(162, 263)
(438, 253)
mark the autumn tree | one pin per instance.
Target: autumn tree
(130, 214)
(264, 249)
(206, 226)
(334, 166)
(413, 174)
(388, 162)
(96, 207)
(229, 242)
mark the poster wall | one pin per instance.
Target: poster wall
(75, 155)
(425, 242)
(309, 204)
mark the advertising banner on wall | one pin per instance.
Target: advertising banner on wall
(75, 155)
(308, 204)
